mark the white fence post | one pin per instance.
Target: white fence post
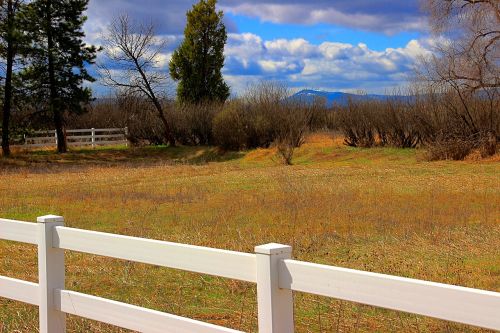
(50, 275)
(125, 132)
(275, 305)
(93, 137)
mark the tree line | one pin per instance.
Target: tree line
(453, 109)
(47, 61)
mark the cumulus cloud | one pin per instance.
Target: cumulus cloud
(295, 47)
(168, 16)
(390, 22)
(298, 62)
(387, 16)
(334, 66)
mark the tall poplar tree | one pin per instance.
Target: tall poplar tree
(198, 61)
(58, 58)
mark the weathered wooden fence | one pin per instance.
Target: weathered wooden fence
(79, 137)
(270, 267)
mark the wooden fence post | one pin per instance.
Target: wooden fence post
(275, 305)
(50, 275)
(93, 137)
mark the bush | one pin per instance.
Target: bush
(192, 123)
(264, 116)
(356, 121)
(455, 147)
(458, 124)
(229, 128)
(144, 125)
(449, 123)
(489, 145)
(260, 104)
(123, 110)
(292, 124)
(106, 112)
(449, 149)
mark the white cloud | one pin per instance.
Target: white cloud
(272, 66)
(387, 16)
(163, 59)
(244, 47)
(298, 63)
(334, 66)
(359, 14)
(293, 47)
(330, 65)
(331, 50)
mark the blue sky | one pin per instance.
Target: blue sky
(336, 45)
(322, 32)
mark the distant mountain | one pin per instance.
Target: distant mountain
(340, 98)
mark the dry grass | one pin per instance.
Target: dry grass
(378, 209)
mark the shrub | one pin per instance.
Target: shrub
(356, 123)
(192, 123)
(123, 110)
(229, 128)
(459, 123)
(450, 123)
(260, 104)
(144, 125)
(489, 146)
(292, 122)
(264, 116)
(449, 149)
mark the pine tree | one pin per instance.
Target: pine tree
(198, 61)
(10, 37)
(58, 58)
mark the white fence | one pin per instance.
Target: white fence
(270, 267)
(79, 137)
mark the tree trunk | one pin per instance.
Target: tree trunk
(7, 105)
(53, 105)
(168, 131)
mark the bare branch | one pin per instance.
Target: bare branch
(133, 63)
(471, 59)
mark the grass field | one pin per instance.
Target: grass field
(382, 210)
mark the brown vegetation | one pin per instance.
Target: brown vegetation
(376, 209)
(438, 120)
(465, 64)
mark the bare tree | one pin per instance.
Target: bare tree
(134, 55)
(469, 52)
(466, 55)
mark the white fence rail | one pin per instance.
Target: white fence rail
(271, 268)
(79, 137)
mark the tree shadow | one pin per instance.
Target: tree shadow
(50, 161)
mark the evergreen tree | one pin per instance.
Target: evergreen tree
(198, 61)
(58, 58)
(10, 37)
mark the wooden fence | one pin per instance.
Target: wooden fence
(270, 267)
(79, 137)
